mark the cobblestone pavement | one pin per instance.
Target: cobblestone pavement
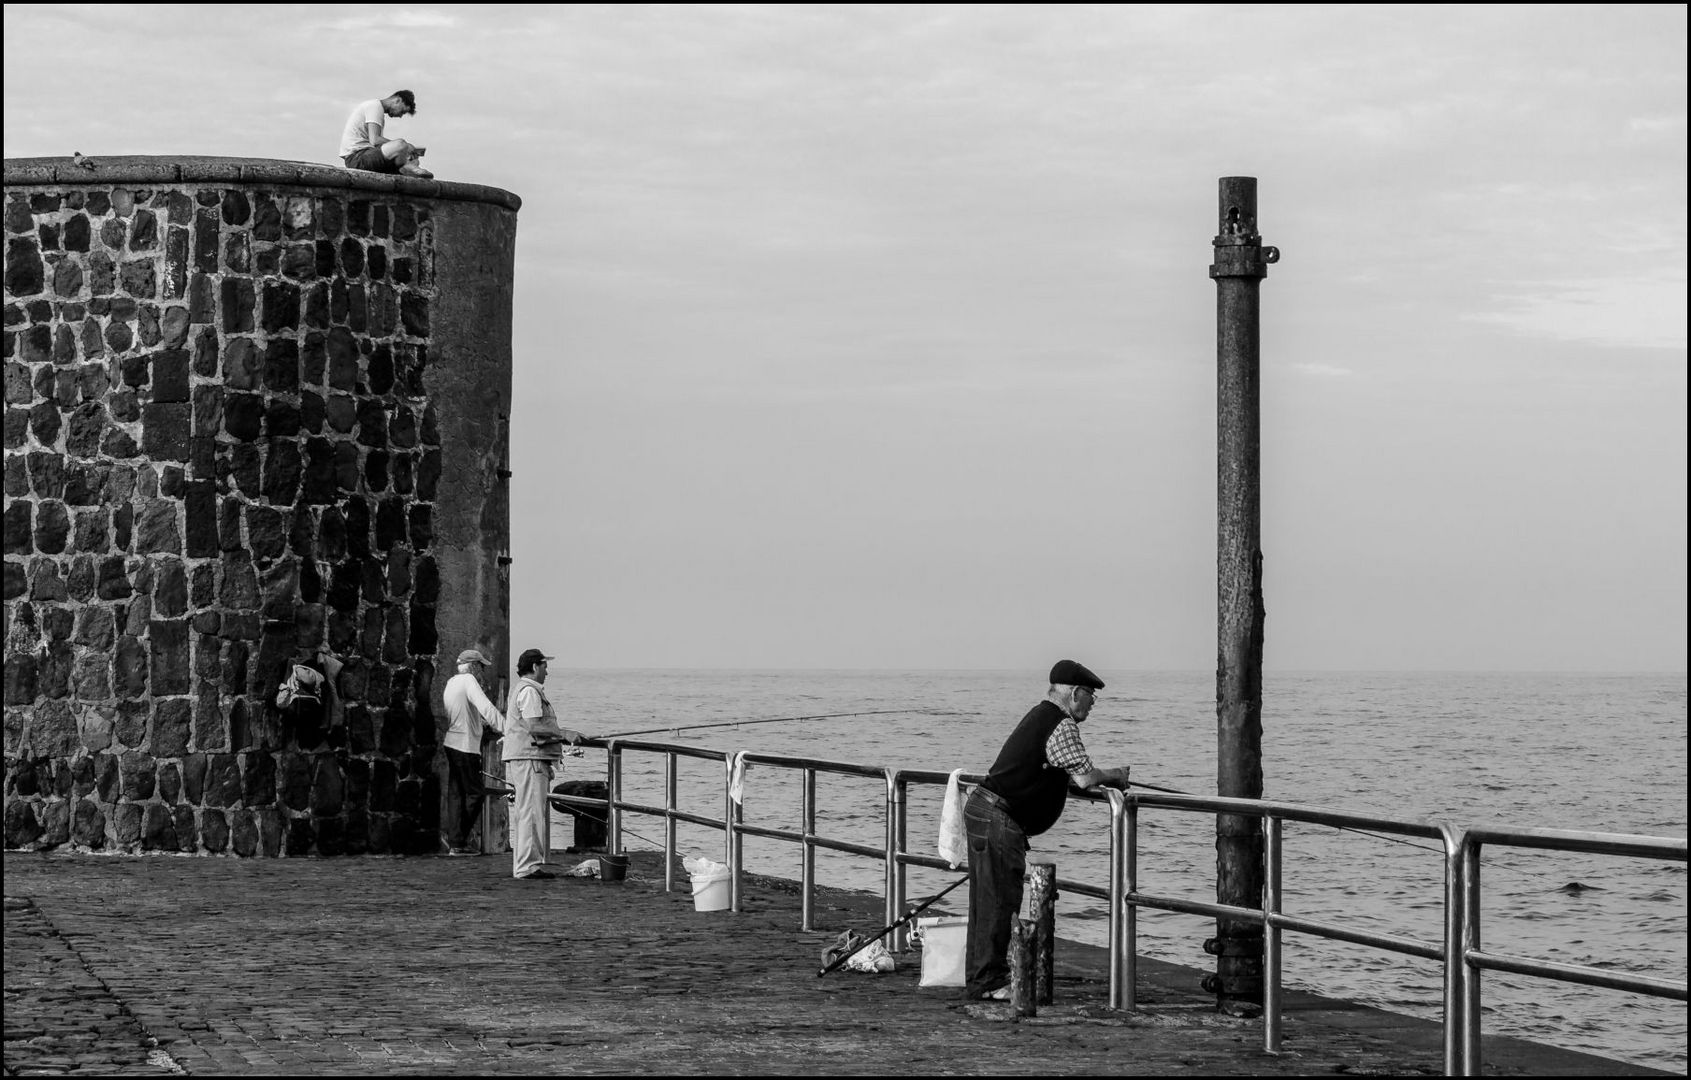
(159, 964)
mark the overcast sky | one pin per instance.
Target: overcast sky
(883, 336)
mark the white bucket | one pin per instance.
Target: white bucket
(944, 944)
(710, 894)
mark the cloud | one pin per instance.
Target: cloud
(1624, 312)
(390, 20)
(1323, 371)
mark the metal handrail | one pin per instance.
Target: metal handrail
(1469, 959)
(1459, 952)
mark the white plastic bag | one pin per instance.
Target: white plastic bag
(944, 944)
(871, 959)
(703, 870)
(953, 844)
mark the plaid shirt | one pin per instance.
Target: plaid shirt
(1065, 750)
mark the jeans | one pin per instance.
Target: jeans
(998, 856)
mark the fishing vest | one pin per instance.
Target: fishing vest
(1036, 790)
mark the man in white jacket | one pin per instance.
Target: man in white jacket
(471, 715)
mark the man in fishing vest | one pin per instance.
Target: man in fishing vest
(533, 742)
(471, 716)
(1023, 795)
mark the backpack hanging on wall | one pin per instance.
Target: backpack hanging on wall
(301, 690)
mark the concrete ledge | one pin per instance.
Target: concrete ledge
(169, 169)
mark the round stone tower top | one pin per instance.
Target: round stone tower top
(169, 169)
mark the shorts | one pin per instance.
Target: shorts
(370, 159)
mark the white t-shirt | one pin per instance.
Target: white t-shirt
(365, 112)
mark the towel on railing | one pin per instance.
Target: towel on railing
(737, 777)
(953, 844)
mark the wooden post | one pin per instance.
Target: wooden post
(1042, 899)
(1241, 262)
(1024, 990)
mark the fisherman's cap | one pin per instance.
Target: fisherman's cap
(1070, 673)
(472, 656)
(531, 657)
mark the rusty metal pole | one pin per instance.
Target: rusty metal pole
(1241, 262)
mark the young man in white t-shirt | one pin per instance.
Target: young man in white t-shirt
(363, 146)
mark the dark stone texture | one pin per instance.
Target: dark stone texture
(168, 645)
(172, 726)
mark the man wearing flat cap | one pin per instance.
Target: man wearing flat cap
(533, 744)
(1023, 795)
(471, 716)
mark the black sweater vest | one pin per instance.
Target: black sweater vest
(1036, 790)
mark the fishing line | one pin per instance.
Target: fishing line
(770, 720)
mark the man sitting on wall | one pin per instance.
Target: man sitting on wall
(363, 146)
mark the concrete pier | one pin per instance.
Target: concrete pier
(175, 964)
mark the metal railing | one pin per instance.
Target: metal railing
(1459, 952)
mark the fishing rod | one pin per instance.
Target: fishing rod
(915, 911)
(552, 800)
(737, 723)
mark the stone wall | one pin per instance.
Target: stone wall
(254, 414)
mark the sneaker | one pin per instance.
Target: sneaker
(538, 875)
(458, 852)
(416, 170)
(1000, 994)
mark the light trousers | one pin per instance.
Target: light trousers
(531, 815)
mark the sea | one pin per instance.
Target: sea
(1596, 752)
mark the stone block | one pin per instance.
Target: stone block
(211, 729)
(156, 527)
(172, 726)
(158, 828)
(137, 775)
(25, 272)
(52, 527)
(281, 365)
(114, 577)
(300, 836)
(258, 779)
(21, 828)
(91, 681)
(243, 415)
(238, 302)
(170, 782)
(214, 831)
(88, 825)
(283, 473)
(206, 236)
(127, 825)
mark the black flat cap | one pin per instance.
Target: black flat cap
(1070, 673)
(531, 657)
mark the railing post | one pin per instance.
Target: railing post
(1042, 900)
(1271, 936)
(613, 797)
(807, 864)
(1118, 904)
(1024, 991)
(1131, 936)
(669, 822)
(893, 872)
(1455, 930)
(1471, 1063)
(731, 817)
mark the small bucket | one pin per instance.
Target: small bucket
(613, 867)
(710, 895)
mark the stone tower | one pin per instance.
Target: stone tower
(255, 415)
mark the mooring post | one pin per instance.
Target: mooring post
(1024, 980)
(1241, 262)
(1042, 898)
